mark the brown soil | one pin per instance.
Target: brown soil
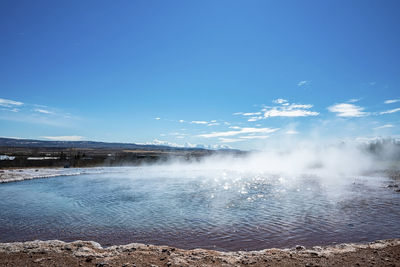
(84, 253)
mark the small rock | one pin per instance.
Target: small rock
(39, 260)
(300, 247)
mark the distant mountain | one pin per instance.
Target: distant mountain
(11, 142)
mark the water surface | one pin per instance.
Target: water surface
(199, 209)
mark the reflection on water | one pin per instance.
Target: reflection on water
(191, 209)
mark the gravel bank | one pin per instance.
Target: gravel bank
(88, 253)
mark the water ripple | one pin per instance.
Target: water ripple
(226, 211)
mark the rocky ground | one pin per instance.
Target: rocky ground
(85, 253)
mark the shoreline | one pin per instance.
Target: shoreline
(10, 175)
(89, 253)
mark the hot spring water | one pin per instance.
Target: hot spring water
(200, 208)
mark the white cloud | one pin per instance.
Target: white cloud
(234, 127)
(292, 110)
(213, 124)
(241, 131)
(353, 100)
(255, 118)
(157, 118)
(181, 121)
(9, 103)
(291, 132)
(251, 113)
(384, 126)
(284, 109)
(347, 110)
(187, 145)
(43, 111)
(290, 113)
(390, 111)
(391, 101)
(254, 137)
(280, 101)
(303, 83)
(199, 122)
(11, 109)
(64, 138)
(229, 140)
(294, 106)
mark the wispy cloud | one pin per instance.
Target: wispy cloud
(391, 101)
(291, 132)
(289, 110)
(9, 103)
(44, 111)
(229, 140)
(384, 126)
(199, 122)
(282, 109)
(353, 100)
(11, 109)
(34, 113)
(246, 130)
(347, 110)
(255, 137)
(158, 118)
(303, 83)
(64, 138)
(280, 101)
(289, 113)
(390, 111)
(251, 113)
(208, 123)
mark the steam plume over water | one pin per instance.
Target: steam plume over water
(311, 195)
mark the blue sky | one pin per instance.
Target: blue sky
(219, 73)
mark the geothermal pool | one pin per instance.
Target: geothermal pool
(197, 208)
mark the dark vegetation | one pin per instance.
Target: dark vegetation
(36, 153)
